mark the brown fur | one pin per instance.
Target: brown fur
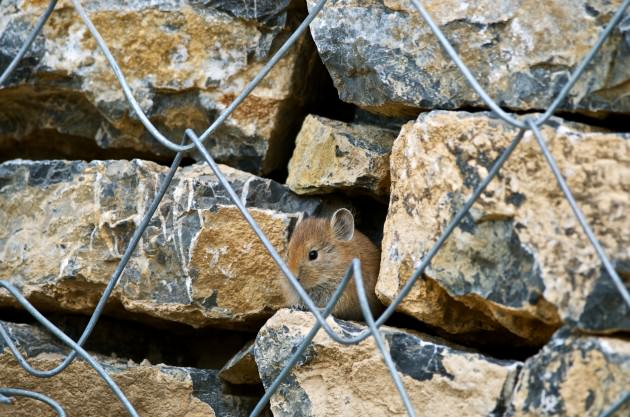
(321, 276)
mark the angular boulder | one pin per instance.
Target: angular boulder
(519, 261)
(185, 61)
(574, 375)
(336, 380)
(64, 225)
(153, 390)
(517, 50)
(332, 156)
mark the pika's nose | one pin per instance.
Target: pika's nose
(294, 269)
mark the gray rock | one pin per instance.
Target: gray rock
(337, 380)
(154, 390)
(519, 51)
(573, 375)
(64, 226)
(185, 61)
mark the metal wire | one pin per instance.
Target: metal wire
(260, 406)
(66, 340)
(378, 338)
(472, 81)
(353, 270)
(112, 281)
(36, 396)
(614, 407)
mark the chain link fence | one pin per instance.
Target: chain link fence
(193, 141)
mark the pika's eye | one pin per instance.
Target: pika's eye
(312, 255)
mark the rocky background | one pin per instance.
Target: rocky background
(514, 317)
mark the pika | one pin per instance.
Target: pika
(320, 251)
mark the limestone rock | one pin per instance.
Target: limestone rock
(64, 226)
(519, 261)
(330, 155)
(517, 50)
(241, 369)
(573, 376)
(185, 62)
(336, 380)
(154, 390)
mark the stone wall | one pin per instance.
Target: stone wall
(515, 316)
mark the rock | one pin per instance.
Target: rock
(573, 375)
(241, 369)
(517, 51)
(337, 380)
(154, 390)
(64, 226)
(201, 55)
(330, 155)
(519, 261)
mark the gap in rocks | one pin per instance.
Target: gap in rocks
(171, 344)
(49, 144)
(492, 344)
(614, 122)
(369, 216)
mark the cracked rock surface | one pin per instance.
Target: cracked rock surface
(517, 50)
(64, 226)
(573, 375)
(155, 390)
(519, 261)
(335, 156)
(185, 61)
(337, 380)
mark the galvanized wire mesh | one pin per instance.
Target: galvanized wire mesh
(192, 141)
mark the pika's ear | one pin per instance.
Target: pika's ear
(342, 224)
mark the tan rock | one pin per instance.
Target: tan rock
(519, 261)
(573, 376)
(330, 155)
(65, 225)
(336, 380)
(155, 390)
(152, 390)
(185, 62)
(241, 369)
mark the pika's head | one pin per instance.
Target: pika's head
(318, 249)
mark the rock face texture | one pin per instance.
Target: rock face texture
(335, 380)
(65, 225)
(190, 328)
(330, 155)
(519, 261)
(154, 390)
(573, 376)
(185, 62)
(517, 50)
